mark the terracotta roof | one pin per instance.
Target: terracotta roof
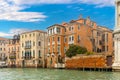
(56, 25)
(35, 31)
(1, 38)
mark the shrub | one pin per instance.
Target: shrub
(74, 49)
(90, 53)
(81, 50)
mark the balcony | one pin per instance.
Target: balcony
(12, 57)
(27, 47)
(27, 57)
(13, 52)
(71, 42)
(58, 42)
(53, 42)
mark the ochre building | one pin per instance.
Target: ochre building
(82, 32)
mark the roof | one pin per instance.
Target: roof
(56, 25)
(1, 38)
(35, 31)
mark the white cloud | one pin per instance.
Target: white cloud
(98, 3)
(12, 32)
(2, 34)
(18, 30)
(11, 11)
(23, 16)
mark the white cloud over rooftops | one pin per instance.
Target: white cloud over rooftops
(11, 9)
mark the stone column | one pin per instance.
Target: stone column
(116, 64)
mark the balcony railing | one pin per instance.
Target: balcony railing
(12, 57)
(27, 57)
(71, 42)
(27, 47)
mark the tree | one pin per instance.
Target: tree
(74, 49)
(81, 50)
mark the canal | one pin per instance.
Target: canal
(54, 74)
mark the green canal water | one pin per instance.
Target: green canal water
(54, 74)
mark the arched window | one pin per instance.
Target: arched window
(33, 53)
(39, 53)
(39, 43)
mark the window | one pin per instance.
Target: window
(33, 53)
(53, 38)
(22, 53)
(65, 29)
(65, 39)
(33, 34)
(58, 49)
(39, 43)
(78, 38)
(58, 30)
(33, 61)
(70, 28)
(78, 27)
(49, 39)
(49, 50)
(39, 54)
(58, 39)
(69, 38)
(30, 35)
(22, 36)
(34, 43)
(22, 44)
(39, 62)
(107, 48)
(100, 42)
(98, 33)
(72, 38)
(107, 37)
(25, 36)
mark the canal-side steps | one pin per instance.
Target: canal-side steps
(60, 66)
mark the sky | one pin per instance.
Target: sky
(17, 16)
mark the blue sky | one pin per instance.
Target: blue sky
(17, 16)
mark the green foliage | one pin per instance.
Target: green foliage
(74, 49)
(71, 51)
(90, 53)
(81, 50)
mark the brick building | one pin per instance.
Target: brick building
(82, 32)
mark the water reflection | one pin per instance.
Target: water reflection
(53, 74)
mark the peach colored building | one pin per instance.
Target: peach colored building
(82, 32)
(13, 47)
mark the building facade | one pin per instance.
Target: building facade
(33, 48)
(82, 32)
(13, 47)
(3, 50)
